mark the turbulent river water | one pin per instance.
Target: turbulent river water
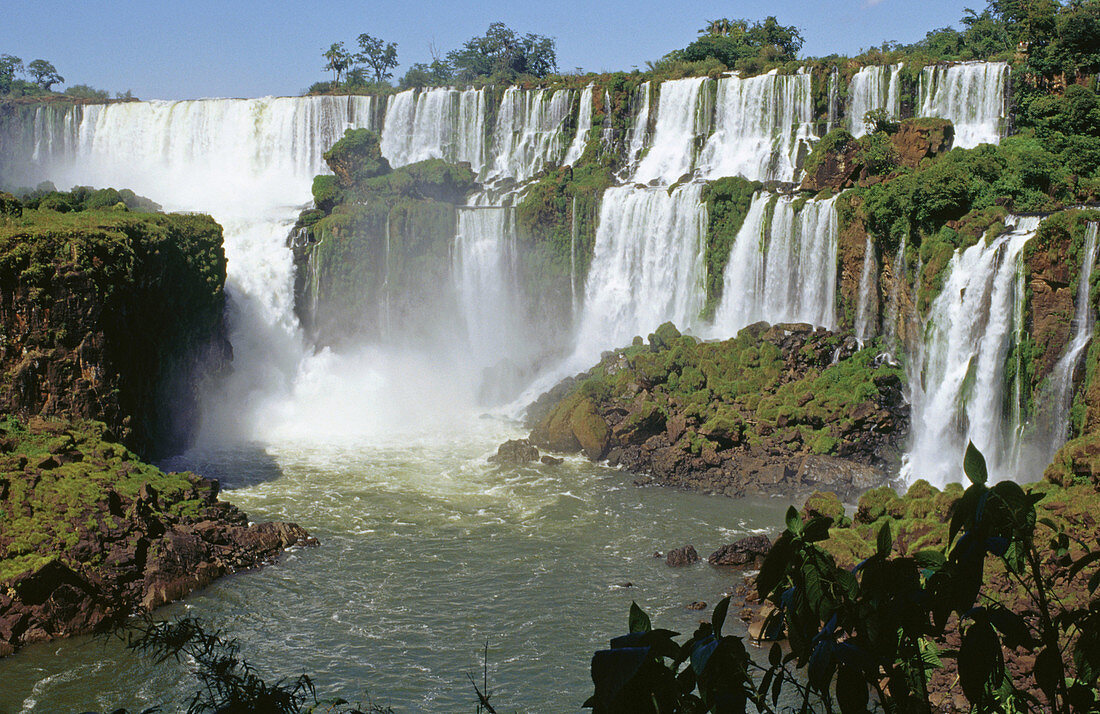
(428, 552)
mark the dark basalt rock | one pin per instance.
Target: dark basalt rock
(679, 557)
(515, 451)
(749, 551)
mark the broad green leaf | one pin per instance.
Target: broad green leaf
(851, 691)
(794, 521)
(718, 617)
(974, 465)
(639, 621)
(885, 540)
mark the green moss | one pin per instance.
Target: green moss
(836, 141)
(50, 505)
(728, 201)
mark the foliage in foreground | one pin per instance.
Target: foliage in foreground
(874, 633)
(228, 684)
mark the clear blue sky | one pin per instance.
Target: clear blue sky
(241, 48)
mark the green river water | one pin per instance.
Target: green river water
(427, 552)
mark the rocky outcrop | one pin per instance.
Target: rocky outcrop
(679, 557)
(106, 315)
(515, 451)
(747, 552)
(840, 161)
(784, 409)
(105, 536)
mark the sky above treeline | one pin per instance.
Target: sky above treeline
(247, 48)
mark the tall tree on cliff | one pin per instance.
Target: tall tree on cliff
(379, 56)
(10, 67)
(338, 60)
(502, 53)
(45, 74)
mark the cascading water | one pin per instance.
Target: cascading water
(528, 133)
(761, 126)
(639, 132)
(1049, 429)
(957, 379)
(584, 127)
(782, 267)
(971, 95)
(681, 120)
(834, 100)
(874, 87)
(248, 162)
(647, 266)
(442, 123)
(483, 266)
(867, 303)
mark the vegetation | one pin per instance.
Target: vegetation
(76, 468)
(43, 76)
(728, 201)
(149, 286)
(739, 44)
(742, 391)
(880, 628)
(376, 235)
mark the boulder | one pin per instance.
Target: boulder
(515, 451)
(679, 557)
(749, 551)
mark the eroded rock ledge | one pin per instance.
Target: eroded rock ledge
(89, 534)
(778, 410)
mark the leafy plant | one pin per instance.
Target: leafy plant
(875, 632)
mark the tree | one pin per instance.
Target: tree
(427, 75)
(732, 40)
(45, 74)
(338, 60)
(10, 67)
(380, 57)
(500, 52)
(83, 91)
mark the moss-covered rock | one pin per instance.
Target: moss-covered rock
(106, 313)
(90, 534)
(767, 411)
(357, 157)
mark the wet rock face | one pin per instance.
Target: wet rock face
(109, 318)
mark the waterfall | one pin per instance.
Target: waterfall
(1050, 427)
(971, 95)
(957, 379)
(761, 125)
(874, 87)
(834, 100)
(782, 269)
(893, 306)
(441, 123)
(647, 266)
(681, 119)
(484, 248)
(639, 131)
(574, 229)
(250, 163)
(867, 303)
(528, 134)
(584, 127)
